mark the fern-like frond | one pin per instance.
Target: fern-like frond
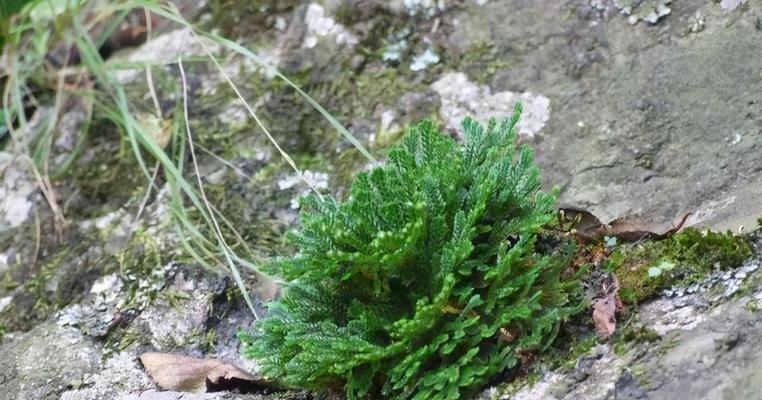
(406, 290)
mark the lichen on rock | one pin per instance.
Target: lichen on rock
(461, 97)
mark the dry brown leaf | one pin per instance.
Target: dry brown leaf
(590, 228)
(606, 308)
(604, 317)
(188, 374)
(627, 230)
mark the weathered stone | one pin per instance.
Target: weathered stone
(45, 361)
(649, 120)
(461, 98)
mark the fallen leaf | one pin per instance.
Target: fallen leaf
(606, 307)
(604, 317)
(188, 374)
(590, 228)
(631, 231)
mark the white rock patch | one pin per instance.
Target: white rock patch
(317, 180)
(15, 192)
(4, 302)
(731, 5)
(387, 118)
(461, 97)
(235, 114)
(4, 261)
(428, 8)
(670, 318)
(423, 60)
(319, 25)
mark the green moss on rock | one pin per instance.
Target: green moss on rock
(481, 61)
(690, 255)
(106, 177)
(245, 18)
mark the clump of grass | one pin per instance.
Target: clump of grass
(42, 28)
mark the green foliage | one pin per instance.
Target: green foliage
(10, 7)
(633, 333)
(685, 257)
(426, 282)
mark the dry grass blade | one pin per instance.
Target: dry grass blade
(171, 13)
(270, 137)
(84, 30)
(217, 231)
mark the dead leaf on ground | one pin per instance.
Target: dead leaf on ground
(606, 307)
(590, 228)
(188, 374)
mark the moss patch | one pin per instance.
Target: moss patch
(250, 207)
(244, 18)
(141, 268)
(690, 255)
(58, 280)
(354, 99)
(480, 62)
(632, 334)
(106, 177)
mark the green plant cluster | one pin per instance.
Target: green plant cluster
(427, 281)
(7, 9)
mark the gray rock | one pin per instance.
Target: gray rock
(461, 97)
(120, 378)
(45, 361)
(620, 160)
(177, 319)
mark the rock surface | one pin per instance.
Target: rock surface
(646, 109)
(645, 120)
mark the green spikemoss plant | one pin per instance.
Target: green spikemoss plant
(427, 281)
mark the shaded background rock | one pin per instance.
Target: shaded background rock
(630, 119)
(44, 361)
